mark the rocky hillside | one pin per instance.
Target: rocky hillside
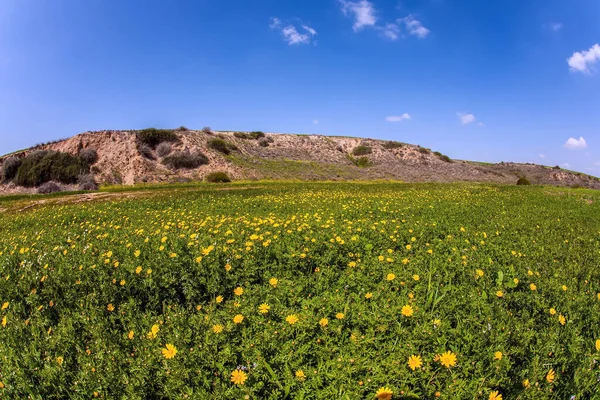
(129, 157)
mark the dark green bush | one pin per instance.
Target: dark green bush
(241, 135)
(442, 156)
(218, 177)
(523, 181)
(153, 137)
(392, 145)
(90, 156)
(221, 145)
(207, 129)
(9, 168)
(362, 150)
(185, 160)
(44, 166)
(256, 135)
(263, 142)
(423, 150)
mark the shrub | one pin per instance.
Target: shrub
(90, 156)
(423, 150)
(241, 135)
(256, 135)
(221, 145)
(263, 142)
(49, 187)
(9, 168)
(218, 177)
(442, 156)
(146, 151)
(163, 149)
(185, 160)
(87, 182)
(523, 181)
(153, 137)
(362, 162)
(362, 150)
(182, 129)
(207, 129)
(392, 145)
(44, 166)
(339, 148)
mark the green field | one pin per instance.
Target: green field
(302, 291)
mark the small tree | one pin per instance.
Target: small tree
(90, 156)
(10, 168)
(523, 181)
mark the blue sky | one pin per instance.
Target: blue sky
(492, 81)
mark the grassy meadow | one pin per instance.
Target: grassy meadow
(302, 291)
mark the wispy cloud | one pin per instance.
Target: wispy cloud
(363, 12)
(583, 61)
(565, 165)
(398, 118)
(390, 31)
(309, 30)
(542, 156)
(575, 144)
(414, 27)
(291, 33)
(466, 118)
(316, 122)
(275, 22)
(556, 26)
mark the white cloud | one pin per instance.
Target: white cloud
(556, 26)
(275, 22)
(480, 124)
(542, 156)
(309, 30)
(292, 36)
(565, 165)
(391, 31)
(363, 11)
(575, 144)
(466, 118)
(399, 118)
(583, 61)
(316, 122)
(414, 27)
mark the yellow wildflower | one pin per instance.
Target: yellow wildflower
(407, 311)
(169, 351)
(238, 319)
(448, 359)
(384, 393)
(415, 362)
(238, 377)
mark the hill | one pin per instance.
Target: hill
(129, 157)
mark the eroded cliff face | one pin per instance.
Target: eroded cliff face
(289, 156)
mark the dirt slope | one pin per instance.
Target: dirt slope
(287, 156)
